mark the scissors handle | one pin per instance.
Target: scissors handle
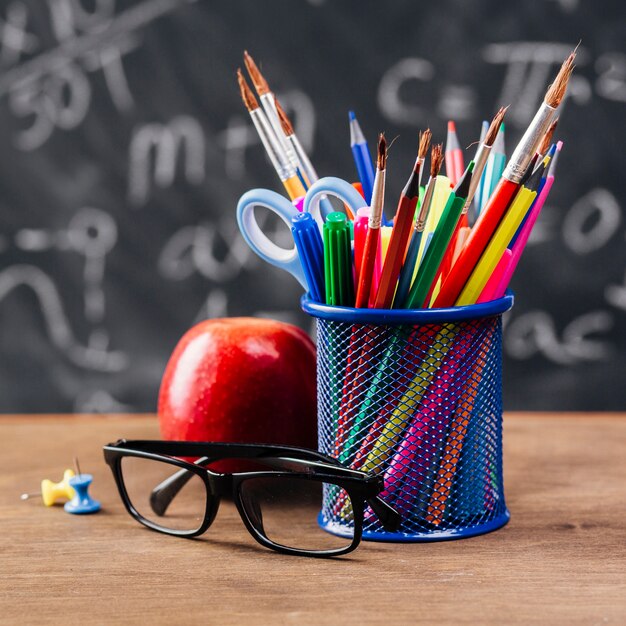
(332, 186)
(283, 258)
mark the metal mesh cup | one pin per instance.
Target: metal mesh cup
(417, 397)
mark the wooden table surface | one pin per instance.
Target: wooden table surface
(561, 559)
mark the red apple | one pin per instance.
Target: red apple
(241, 379)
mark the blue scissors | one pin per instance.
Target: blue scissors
(289, 259)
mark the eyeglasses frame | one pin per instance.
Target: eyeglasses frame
(361, 487)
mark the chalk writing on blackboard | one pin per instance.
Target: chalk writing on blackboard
(92, 234)
(155, 150)
(535, 332)
(52, 90)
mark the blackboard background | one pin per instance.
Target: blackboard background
(89, 328)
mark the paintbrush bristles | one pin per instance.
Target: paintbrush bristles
(494, 127)
(246, 93)
(556, 91)
(285, 124)
(425, 138)
(381, 160)
(259, 82)
(546, 142)
(436, 159)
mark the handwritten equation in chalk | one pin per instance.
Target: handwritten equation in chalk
(163, 157)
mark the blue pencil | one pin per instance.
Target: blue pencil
(362, 157)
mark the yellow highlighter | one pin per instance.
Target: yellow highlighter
(501, 238)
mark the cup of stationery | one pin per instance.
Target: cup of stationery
(415, 396)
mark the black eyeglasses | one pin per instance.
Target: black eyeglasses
(292, 500)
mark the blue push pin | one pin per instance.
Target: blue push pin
(82, 503)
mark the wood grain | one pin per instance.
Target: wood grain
(561, 559)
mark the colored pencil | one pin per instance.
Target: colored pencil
(521, 241)
(501, 239)
(482, 153)
(489, 219)
(362, 158)
(493, 284)
(428, 268)
(454, 155)
(493, 170)
(410, 261)
(373, 228)
(401, 229)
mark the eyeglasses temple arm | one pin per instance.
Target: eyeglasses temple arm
(163, 494)
(388, 516)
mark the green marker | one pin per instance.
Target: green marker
(443, 233)
(338, 260)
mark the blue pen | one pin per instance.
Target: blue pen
(306, 235)
(362, 157)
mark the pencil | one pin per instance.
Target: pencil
(401, 229)
(435, 251)
(286, 172)
(454, 155)
(362, 158)
(512, 176)
(501, 238)
(482, 153)
(373, 228)
(410, 261)
(493, 170)
(520, 243)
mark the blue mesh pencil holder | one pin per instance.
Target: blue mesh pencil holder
(415, 396)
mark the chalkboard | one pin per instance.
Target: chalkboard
(124, 148)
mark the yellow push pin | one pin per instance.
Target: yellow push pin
(53, 492)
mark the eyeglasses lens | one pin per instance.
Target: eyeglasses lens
(289, 512)
(165, 494)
